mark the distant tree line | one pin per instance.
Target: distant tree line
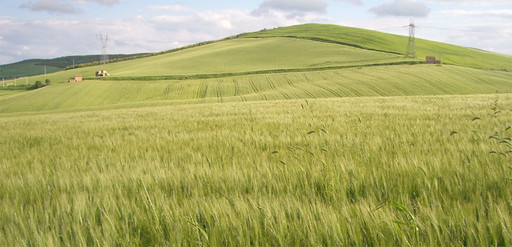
(40, 84)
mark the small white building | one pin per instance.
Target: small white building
(102, 73)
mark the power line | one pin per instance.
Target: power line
(455, 29)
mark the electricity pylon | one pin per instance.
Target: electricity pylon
(411, 46)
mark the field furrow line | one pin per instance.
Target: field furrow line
(307, 92)
(237, 87)
(345, 84)
(168, 89)
(202, 89)
(219, 90)
(272, 86)
(254, 88)
(179, 91)
(330, 89)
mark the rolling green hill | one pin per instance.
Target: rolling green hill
(305, 61)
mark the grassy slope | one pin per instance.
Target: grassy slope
(239, 55)
(393, 43)
(368, 81)
(280, 173)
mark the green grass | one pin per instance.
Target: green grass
(290, 172)
(401, 80)
(374, 40)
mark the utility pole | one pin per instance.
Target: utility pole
(104, 55)
(411, 46)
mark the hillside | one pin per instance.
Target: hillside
(305, 61)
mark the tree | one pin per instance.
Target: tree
(38, 84)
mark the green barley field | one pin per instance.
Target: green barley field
(354, 171)
(323, 150)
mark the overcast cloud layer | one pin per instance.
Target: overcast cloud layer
(50, 6)
(401, 8)
(53, 28)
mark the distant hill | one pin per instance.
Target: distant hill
(298, 62)
(32, 67)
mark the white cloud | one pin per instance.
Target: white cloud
(503, 13)
(292, 6)
(107, 2)
(102, 2)
(472, 2)
(51, 6)
(62, 6)
(356, 2)
(401, 8)
(167, 8)
(491, 36)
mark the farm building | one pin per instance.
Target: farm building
(102, 73)
(432, 60)
(76, 78)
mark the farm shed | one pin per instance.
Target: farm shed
(76, 78)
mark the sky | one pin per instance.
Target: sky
(54, 28)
